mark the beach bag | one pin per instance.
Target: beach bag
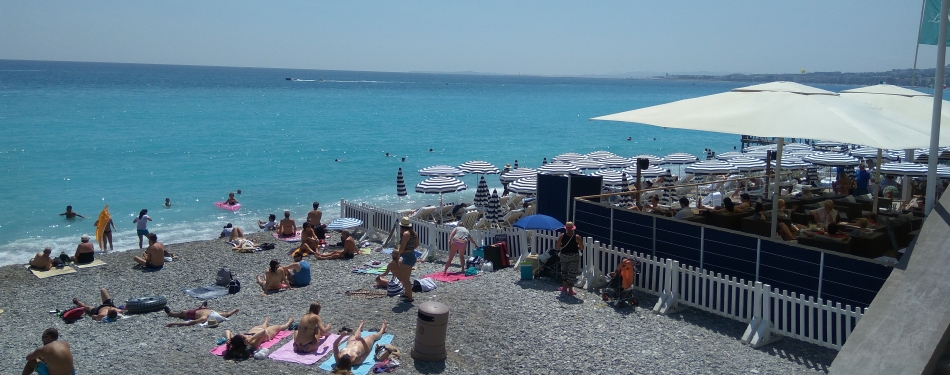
(234, 286)
(224, 277)
(488, 267)
(423, 285)
(73, 314)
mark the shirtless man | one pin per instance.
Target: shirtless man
(106, 312)
(273, 279)
(70, 214)
(314, 216)
(357, 348)
(199, 315)
(53, 358)
(42, 260)
(348, 252)
(154, 255)
(310, 330)
(288, 227)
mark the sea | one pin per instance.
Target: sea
(131, 135)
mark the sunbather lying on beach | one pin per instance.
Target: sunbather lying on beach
(348, 252)
(273, 279)
(357, 348)
(106, 312)
(242, 346)
(310, 331)
(199, 315)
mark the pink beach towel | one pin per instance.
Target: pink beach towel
(450, 278)
(286, 353)
(219, 350)
(295, 238)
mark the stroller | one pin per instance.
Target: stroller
(550, 267)
(619, 289)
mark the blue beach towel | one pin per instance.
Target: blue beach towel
(207, 292)
(367, 364)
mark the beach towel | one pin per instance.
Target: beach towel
(366, 250)
(286, 353)
(219, 350)
(388, 250)
(94, 263)
(207, 292)
(363, 368)
(450, 278)
(295, 238)
(52, 271)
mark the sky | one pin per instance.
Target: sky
(554, 37)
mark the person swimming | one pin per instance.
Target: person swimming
(231, 200)
(168, 202)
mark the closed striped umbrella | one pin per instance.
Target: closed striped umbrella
(904, 169)
(526, 185)
(654, 160)
(831, 159)
(679, 158)
(747, 164)
(478, 167)
(558, 168)
(344, 223)
(669, 194)
(481, 193)
(625, 199)
(568, 156)
(711, 167)
(612, 178)
(587, 164)
(400, 185)
(440, 185)
(515, 174)
(442, 171)
(728, 155)
(493, 213)
(597, 155)
(653, 171)
(616, 162)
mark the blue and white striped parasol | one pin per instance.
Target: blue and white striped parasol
(747, 164)
(679, 158)
(831, 159)
(440, 185)
(587, 164)
(478, 167)
(653, 171)
(654, 160)
(711, 167)
(493, 213)
(558, 168)
(597, 155)
(869, 153)
(481, 193)
(344, 223)
(729, 155)
(568, 156)
(517, 173)
(526, 185)
(441, 171)
(904, 169)
(400, 185)
(792, 162)
(616, 162)
(611, 178)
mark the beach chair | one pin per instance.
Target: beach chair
(531, 210)
(510, 218)
(470, 219)
(515, 203)
(503, 201)
(425, 213)
(444, 214)
(482, 223)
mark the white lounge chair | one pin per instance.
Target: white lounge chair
(510, 218)
(425, 213)
(531, 210)
(444, 214)
(470, 219)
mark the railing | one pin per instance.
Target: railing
(767, 310)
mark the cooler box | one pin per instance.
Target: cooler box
(478, 252)
(527, 271)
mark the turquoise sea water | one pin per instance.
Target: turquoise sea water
(91, 134)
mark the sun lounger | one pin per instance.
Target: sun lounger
(531, 210)
(515, 203)
(482, 224)
(470, 219)
(425, 213)
(443, 215)
(510, 218)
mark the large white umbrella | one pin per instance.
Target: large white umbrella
(441, 170)
(679, 158)
(616, 162)
(440, 185)
(526, 185)
(558, 168)
(729, 155)
(653, 171)
(908, 103)
(612, 178)
(515, 174)
(478, 167)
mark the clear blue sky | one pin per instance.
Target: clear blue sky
(511, 37)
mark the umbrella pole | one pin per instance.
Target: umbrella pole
(778, 167)
(939, 81)
(877, 181)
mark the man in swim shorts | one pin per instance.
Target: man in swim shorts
(200, 315)
(315, 215)
(154, 256)
(42, 261)
(310, 330)
(357, 348)
(106, 312)
(288, 227)
(348, 252)
(53, 358)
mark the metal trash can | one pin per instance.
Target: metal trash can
(431, 327)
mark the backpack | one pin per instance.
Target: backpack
(73, 314)
(224, 277)
(234, 286)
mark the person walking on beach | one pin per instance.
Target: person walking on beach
(106, 234)
(311, 330)
(407, 256)
(154, 256)
(288, 227)
(141, 225)
(53, 358)
(570, 246)
(459, 237)
(84, 252)
(70, 214)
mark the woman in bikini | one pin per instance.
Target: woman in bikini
(407, 256)
(287, 227)
(243, 345)
(274, 278)
(198, 315)
(309, 244)
(311, 330)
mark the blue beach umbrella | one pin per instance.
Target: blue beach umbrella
(400, 185)
(538, 222)
(344, 223)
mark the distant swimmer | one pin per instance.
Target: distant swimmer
(387, 154)
(70, 214)
(654, 138)
(168, 202)
(629, 138)
(239, 191)
(336, 159)
(231, 201)
(430, 150)
(404, 159)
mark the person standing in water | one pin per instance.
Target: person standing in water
(70, 214)
(168, 202)
(141, 227)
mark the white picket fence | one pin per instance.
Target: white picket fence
(770, 313)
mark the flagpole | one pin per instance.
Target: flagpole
(939, 80)
(913, 79)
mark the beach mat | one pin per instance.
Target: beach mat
(451, 277)
(286, 353)
(94, 263)
(371, 271)
(206, 292)
(370, 360)
(366, 250)
(295, 238)
(219, 350)
(52, 271)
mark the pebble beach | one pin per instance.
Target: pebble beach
(498, 324)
